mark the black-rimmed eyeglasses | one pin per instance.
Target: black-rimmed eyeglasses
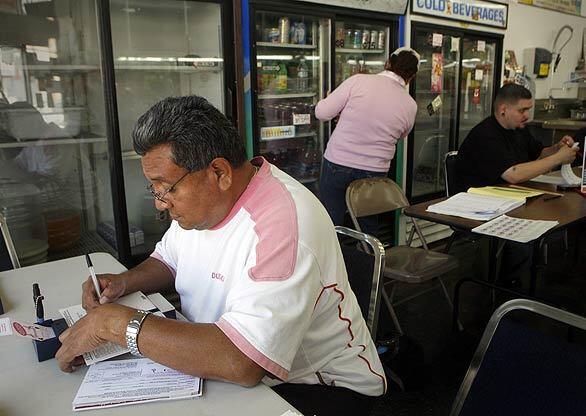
(160, 196)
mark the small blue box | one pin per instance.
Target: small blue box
(48, 348)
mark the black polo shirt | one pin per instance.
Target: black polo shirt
(489, 150)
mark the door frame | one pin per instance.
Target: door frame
(454, 140)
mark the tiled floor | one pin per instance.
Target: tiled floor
(434, 360)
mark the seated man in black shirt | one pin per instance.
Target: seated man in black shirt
(499, 149)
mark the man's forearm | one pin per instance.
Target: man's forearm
(529, 170)
(149, 276)
(202, 350)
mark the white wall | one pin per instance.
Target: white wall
(535, 27)
(530, 27)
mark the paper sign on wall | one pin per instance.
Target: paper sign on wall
(455, 45)
(478, 74)
(437, 39)
(435, 104)
(299, 119)
(481, 46)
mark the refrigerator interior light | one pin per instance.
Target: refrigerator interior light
(161, 59)
(274, 57)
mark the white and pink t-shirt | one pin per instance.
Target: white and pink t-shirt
(271, 276)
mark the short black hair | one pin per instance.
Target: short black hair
(196, 130)
(510, 94)
(403, 64)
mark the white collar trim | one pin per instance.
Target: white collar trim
(393, 76)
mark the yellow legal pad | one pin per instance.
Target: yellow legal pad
(504, 192)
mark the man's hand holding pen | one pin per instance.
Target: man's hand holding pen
(111, 285)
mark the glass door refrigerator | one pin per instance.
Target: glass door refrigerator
(74, 77)
(191, 58)
(299, 52)
(290, 63)
(52, 130)
(454, 89)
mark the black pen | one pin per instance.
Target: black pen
(547, 198)
(93, 275)
(38, 301)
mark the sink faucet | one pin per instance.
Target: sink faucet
(549, 106)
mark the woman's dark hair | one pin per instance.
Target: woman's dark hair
(403, 64)
(196, 130)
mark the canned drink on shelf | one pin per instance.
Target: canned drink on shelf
(357, 39)
(273, 35)
(365, 39)
(373, 39)
(381, 40)
(284, 26)
(298, 33)
(348, 38)
(340, 38)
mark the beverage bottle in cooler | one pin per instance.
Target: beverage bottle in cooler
(340, 38)
(381, 40)
(309, 159)
(284, 26)
(298, 33)
(348, 38)
(373, 39)
(365, 39)
(282, 78)
(357, 39)
(302, 76)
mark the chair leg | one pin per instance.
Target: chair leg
(453, 238)
(446, 294)
(395, 378)
(392, 311)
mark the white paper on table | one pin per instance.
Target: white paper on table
(474, 206)
(72, 314)
(5, 328)
(123, 382)
(515, 229)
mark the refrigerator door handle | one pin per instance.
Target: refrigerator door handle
(230, 113)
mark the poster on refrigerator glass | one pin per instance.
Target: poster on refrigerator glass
(437, 68)
(478, 12)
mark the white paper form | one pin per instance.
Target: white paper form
(123, 382)
(474, 206)
(72, 314)
(515, 229)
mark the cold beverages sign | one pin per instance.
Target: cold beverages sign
(470, 11)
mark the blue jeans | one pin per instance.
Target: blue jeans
(333, 182)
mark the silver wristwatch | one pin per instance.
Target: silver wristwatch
(132, 330)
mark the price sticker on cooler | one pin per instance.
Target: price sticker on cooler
(301, 119)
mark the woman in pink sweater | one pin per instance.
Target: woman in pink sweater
(375, 112)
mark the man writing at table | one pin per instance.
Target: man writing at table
(256, 262)
(500, 149)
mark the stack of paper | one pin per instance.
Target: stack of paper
(515, 229)
(506, 192)
(118, 383)
(475, 207)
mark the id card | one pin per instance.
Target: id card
(33, 331)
